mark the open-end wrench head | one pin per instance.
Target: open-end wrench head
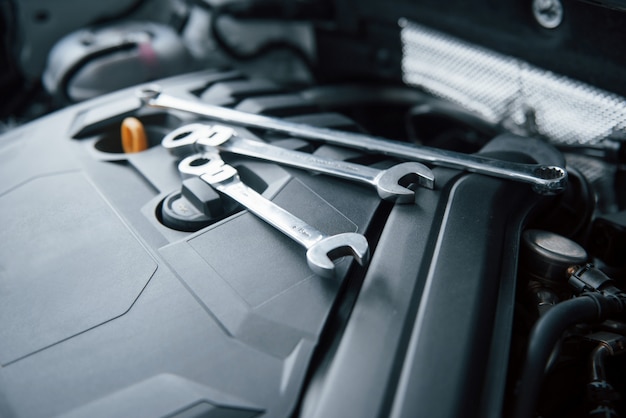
(200, 165)
(395, 183)
(320, 255)
(182, 141)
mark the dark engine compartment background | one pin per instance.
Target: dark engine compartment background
(119, 299)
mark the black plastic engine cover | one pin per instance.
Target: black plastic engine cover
(430, 331)
(104, 311)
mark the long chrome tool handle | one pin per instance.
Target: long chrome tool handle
(395, 184)
(197, 137)
(292, 226)
(545, 179)
(338, 168)
(321, 249)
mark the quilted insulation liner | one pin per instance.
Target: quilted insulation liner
(508, 91)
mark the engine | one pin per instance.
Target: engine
(152, 260)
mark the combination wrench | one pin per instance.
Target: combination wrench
(545, 179)
(321, 249)
(391, 184)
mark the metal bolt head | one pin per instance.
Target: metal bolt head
(548, 13)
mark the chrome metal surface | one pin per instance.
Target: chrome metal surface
(545, 179)
(548, 13)
(321, 249)
(393, 184)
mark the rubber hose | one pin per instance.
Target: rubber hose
(544, 335)
(598, 358)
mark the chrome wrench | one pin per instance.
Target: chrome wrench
(545, 179)
(391, 184)
(321, 249)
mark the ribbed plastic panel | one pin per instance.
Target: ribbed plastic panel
(507, 90)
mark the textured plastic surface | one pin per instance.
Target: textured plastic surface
(430, 330)
(107, 312)
(73, 264)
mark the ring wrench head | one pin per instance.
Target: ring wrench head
(216, 136)
(321, 249)
(397, 183)
(182, 141)
(205, 165)
(320, 255)
(555, 180)
(196, 137)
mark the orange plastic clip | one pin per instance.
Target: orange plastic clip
(133, 136)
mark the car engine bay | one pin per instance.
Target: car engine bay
(455, 173)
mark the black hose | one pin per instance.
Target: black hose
(601, 395)
(598, 357)
(544, 335)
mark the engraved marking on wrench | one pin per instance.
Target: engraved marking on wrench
(321, 249)
(392, 184)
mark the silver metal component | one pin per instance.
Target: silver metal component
(391, 184)
(545, 179)
(548, 13)
(508, 91)
(321, 249)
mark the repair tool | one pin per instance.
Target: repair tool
(392, 184)
(321, 249)
(545, 179)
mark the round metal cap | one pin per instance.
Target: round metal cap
(546, 256)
